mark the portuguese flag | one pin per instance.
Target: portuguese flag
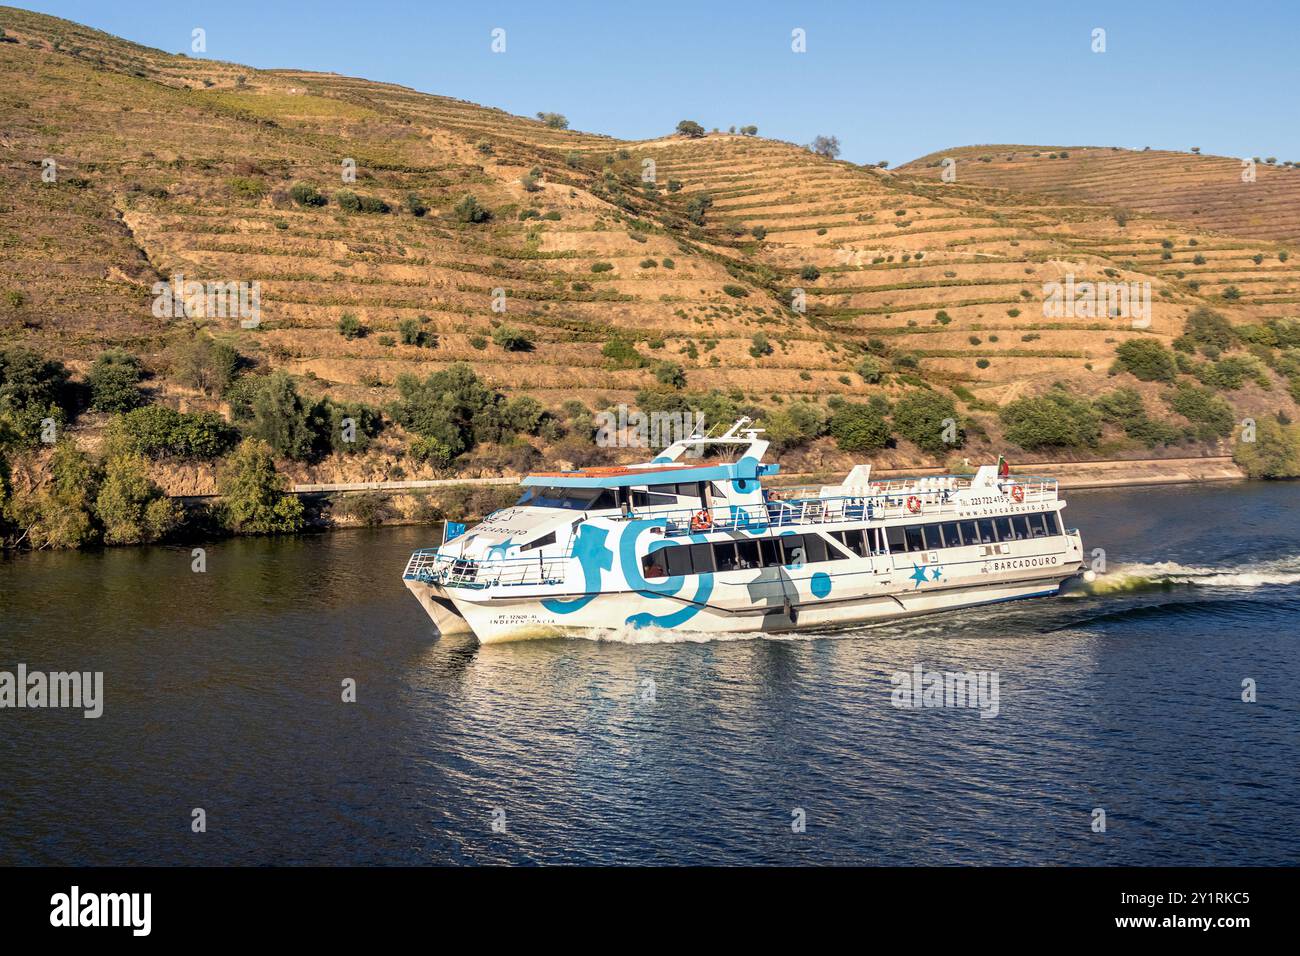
(1004, 467)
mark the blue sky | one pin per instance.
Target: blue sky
(893, 81)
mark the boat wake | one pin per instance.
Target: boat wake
(1168, 576)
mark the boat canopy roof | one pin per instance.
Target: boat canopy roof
(637, 475)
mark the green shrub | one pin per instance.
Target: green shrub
(156, 431)
(920, 417)
(350, 326)
(1054, 420)
(870, 370)
(859, 428)
(797, 424)
(60, 514)
(810, 273)
(305, 194)
(114, 380)
(253, 498)
(1205, 327)
(1275, 452)
(276, 415)
(697, 207)
(1211, 416)
(131, 508)
(205, 364)
(759, 345)
(736, 291)
(454, 406)
(670, 374)
(623, 354)
(347, 200)
(32, 388)
(1124, 407)
(247, 188)
(415, 205)
(1145, 359)
(412, 334)
(432, 451)
(512, 339)
(468, 210)
(602, 267)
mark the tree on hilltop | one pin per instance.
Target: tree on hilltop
(827, 146)
(690, 128)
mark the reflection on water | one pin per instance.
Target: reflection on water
(223, 691)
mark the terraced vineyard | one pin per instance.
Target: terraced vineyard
(768, 273)
(1199, 191)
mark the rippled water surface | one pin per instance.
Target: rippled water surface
(223, 692)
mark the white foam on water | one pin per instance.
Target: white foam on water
(1134, 577)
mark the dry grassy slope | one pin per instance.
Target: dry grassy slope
(893, 250)
(1201, 192)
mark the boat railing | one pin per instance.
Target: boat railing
(899, 498)
(433, 567)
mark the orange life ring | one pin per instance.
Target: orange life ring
(914, 505)
(700, 521)
(1018, 493)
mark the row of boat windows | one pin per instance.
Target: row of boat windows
(708, 557)
(955, 534)
(792, 549)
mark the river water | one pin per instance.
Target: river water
(223, 692)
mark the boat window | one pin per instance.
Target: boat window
(915, 538)
(1053, 523)
(854, 540)
(1004, 529)
(796, 553)
(970, 533)
(897, 539)
(571, 499)
(1036, 527)
(541, 542)
(747, 554)
(646, 499)
(724, 556)
(815, 548)
(679, 560)
(986, 533)
(702, 558)
(1021, 525)
(771, 552)
(654, 565)
(951, 536)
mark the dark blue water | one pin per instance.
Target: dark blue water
(223, 693)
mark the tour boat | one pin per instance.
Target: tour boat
(692, 541)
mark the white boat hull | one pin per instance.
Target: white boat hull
(770, 600)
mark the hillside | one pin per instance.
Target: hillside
(174, 165)
(1198, 191)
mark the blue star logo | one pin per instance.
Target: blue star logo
(918, 575)
(936, 573)
(502, 549)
